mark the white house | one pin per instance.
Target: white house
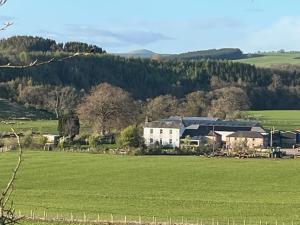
(168, 132)
(164, 132)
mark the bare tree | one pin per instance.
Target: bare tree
(7, 213)
(106, 108)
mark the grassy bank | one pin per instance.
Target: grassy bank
(162, 186)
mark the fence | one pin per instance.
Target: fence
(143, 220)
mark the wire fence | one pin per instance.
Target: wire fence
(106, 219)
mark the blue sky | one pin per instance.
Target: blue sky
(164, 26)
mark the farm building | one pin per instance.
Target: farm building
(194, 135)
(176, 131)
(246, 139)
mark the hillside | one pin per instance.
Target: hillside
(9, 110)
(141, 53)
(272, 60)
(279, 119)
(214, 54)
(144, 78)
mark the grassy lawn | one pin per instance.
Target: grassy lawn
(162, 186)
(270, 59)
(44, 126)
(280, 119)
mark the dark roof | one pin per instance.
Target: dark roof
(288, 135)
(200, 132)
(246, 134)
(164, 124)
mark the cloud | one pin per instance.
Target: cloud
(114, 38)
(283, 34)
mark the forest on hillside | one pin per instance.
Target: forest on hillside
(142, 78)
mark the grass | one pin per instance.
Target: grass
(43, 126)
(162, 186)
(10, 110)
(270, 59)
(280, 119)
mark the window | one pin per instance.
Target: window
(170, 141)
(161, 131)
(170, 131)
(160, 141)
(151, 140)
(151, 131)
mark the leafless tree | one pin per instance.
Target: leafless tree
(7, 212)
(107, 108)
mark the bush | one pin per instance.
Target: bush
(130, 138)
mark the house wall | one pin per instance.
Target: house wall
(163, 137)
(224, 134)
(217, 139)
(250, 142)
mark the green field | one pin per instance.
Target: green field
(280, 119)
(162, 186)
(270, 59)
(43, 126)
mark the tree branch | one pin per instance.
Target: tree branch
(37, 63)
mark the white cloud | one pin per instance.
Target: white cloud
(284, 34)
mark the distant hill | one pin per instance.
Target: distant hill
(141, 53)
(215, 54)
(10, 110)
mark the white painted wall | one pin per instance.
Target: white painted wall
(224, 134)
(165, 136)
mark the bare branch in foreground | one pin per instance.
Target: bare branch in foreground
(5, 26)
(2, 2)
(37, 63)
(7, 215)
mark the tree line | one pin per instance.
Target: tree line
(145, 78)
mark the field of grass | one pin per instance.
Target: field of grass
(162, 186)
(280, 119)
(10, 110)
(270, 59)
(44, 126)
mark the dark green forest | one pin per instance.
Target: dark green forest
(144, 78)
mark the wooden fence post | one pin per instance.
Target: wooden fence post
(125, 219)
(244, 222)
(84, 217)
(45, 215)
(72, 218)
(140, 219)
(31, 214)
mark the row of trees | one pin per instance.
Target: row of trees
(30, 44)
(145, 79)
(108, 108)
